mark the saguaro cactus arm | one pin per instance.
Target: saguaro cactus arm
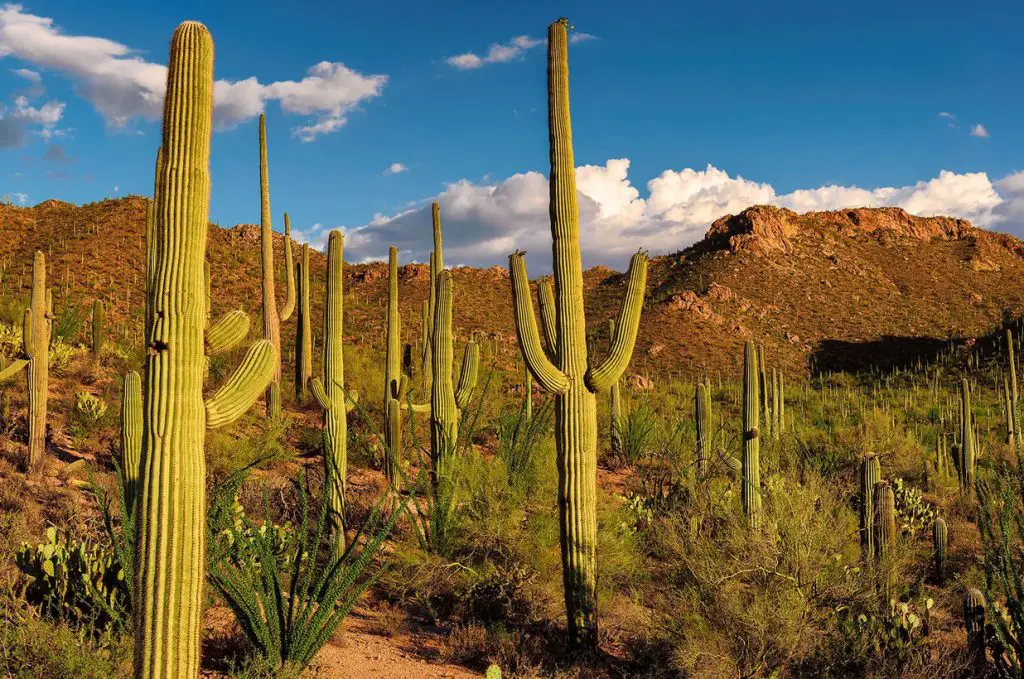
(13, 369)
(602, 377)
(543, 370)
(289, 272)
(546, 298)
(468, 375)
(243, 387)
(226, 332)
(324, 401)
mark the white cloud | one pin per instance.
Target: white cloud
(979, 131)
(576, 37)
(123, 86)
(29, 75)
(396, 168)
(947, 114)
(21, 198)
(484, 222)
(15, 122)
(498, 53)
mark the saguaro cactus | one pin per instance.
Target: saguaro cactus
(97, 329)
(170, 508)
(392, 373)
(131, 436)
(940, 539)
(702, 417)
(330, 393)
(568, 374)
(870, 474)
(304, 330)
(967, 449)
(614, 407)
(1011, 358)
(885, 531)
(750, 491)
(974, 622)
(271, 317)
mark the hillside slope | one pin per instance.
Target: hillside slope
(823, 289)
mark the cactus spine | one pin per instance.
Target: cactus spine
(702, 416)
(271, 318)
(974, 622)
(97, 329)
(330, 393)
(170, 508)
(131, 436)
(940, 540)
(568, 373)
(751, 488)
(392, 374)
(870, 474)
(304, 330)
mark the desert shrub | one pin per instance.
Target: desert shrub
(67, 322)
(518, 439)
(89, 407)
(913, 514)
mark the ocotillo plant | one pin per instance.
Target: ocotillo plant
(870, 474)
(131, 436)
(170, 508)
(702, 417)
(569, 375)
(271, 317)
(940, 539)
(97, 329)
(750, 491)
(330, 393)
(304, 329)
(36, 363)
(392, 373)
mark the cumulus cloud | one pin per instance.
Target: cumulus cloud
(498, 53)
(979, 131)
(577, 36)
(486, 221)
(396, 168)
(17, 122)
(123, 86)
(21, 198)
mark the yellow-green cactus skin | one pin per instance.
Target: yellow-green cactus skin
(567, 372)
(392, 374)
(304, 329)
(750, 492)
(131, 436)
(330, 393)
(271, 317)
(170, 508)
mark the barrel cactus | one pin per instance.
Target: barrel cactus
(569, 374)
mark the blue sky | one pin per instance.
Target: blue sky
(804, 104)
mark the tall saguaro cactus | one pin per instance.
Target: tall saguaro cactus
(36, 363)
(567, 372)
(750, 492)
(392, 373)
(304, 330)
(271, 317)
(170, 507)
(131, 436)
(870, 474)
(1011, 358)
(330, 393)
(702, 417)
(967, 443)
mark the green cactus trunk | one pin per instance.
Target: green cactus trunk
(304, 330)
(1012, 360)
(974, 623)
(615, 410)
(776, 410)
(335, 412)
(870, 474)
(171, 509)
(131, 437)
(444, 413)
(566, 370)
(702, 417)
(885, 533)
(766, 412)
(97, 329)
(750, 492)
(967, 443)
(1008, 408)
(271, 317)
(781, 404)
(940, 540)
(528, 398)
(36, 341)
(392, 375)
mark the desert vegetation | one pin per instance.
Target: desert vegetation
(550, 507)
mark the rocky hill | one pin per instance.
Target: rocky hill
(823, 289)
